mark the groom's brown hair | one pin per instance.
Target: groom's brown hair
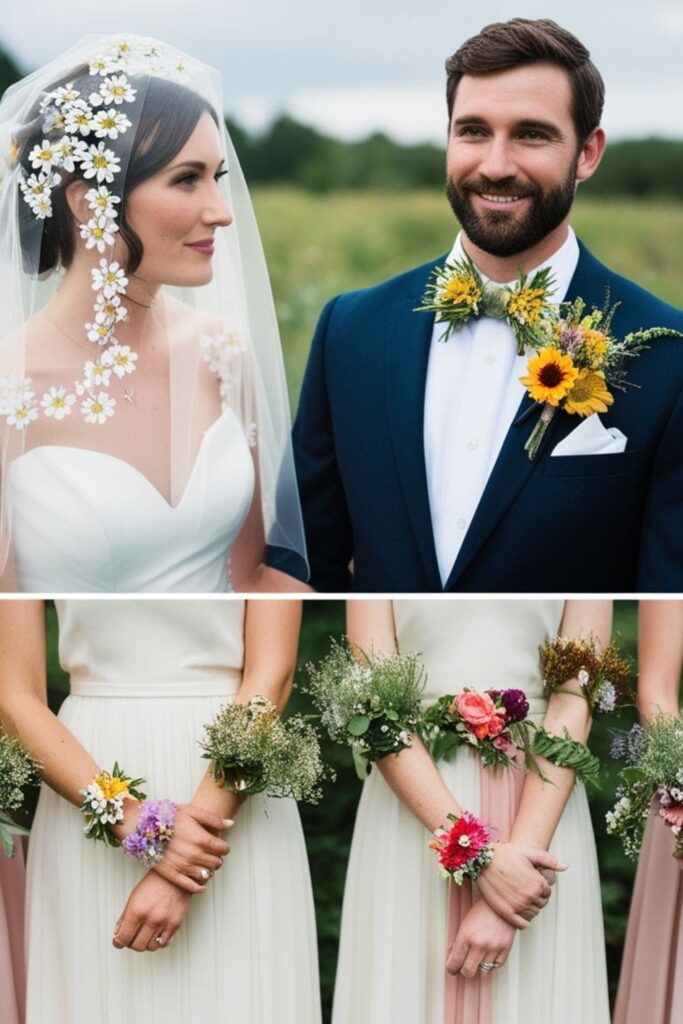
(519, 42)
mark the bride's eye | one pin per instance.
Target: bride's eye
(190, 178)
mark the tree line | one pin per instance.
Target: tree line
(295, 154)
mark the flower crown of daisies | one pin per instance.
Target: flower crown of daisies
(88, 123)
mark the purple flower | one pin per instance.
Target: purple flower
(516, 705)
(570, 340)
(135, 844)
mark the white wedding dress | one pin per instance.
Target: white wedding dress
(395, 917)
(145, 677)
(85, 521)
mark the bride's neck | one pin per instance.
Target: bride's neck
(74, 302)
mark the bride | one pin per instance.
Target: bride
(144, 424)
(522, 952)
(229, 942)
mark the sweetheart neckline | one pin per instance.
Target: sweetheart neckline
(134, 469)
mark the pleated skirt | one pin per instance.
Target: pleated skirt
(395, 927)
(246, 953)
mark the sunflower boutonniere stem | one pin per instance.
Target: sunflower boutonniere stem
(577, 361)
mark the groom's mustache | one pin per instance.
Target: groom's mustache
(502, 187)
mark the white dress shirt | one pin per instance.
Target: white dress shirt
(471, 397)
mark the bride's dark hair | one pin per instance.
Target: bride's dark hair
(164, 115)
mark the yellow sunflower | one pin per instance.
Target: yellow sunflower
(550, 377)
(462, 290)
(589, 394)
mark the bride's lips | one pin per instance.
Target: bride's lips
(203, 245)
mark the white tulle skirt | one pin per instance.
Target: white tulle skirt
(395, 924)
(246, 953)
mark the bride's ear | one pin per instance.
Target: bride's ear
(78, 205)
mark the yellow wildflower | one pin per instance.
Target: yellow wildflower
(589, 394)
(462, 290)
(526, 305)
(111, 786)
(594, 347)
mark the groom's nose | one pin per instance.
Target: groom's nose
(498, 159)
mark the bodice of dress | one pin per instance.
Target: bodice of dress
(84, 521)
(478, 644)
(148, 648)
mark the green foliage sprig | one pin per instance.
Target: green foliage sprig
(566, 752)
(371, 705)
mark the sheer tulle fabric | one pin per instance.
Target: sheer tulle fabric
(12, 965)
(651, 978)
(247, 949)
(395, 926)
(215, 349)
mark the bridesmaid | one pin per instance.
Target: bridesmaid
(651, 981)
(12, 966)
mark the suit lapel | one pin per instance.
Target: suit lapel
(407, 343)
(513, 468)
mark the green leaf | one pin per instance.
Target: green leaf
(358, 725)
(360, 762)
(391, 715)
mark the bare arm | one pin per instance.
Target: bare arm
(416, 781)
(542, 803)
(156, 908)
(660, 657)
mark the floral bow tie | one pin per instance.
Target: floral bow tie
(457, 293)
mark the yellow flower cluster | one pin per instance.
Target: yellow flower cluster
(552, 377)
(111, 786)
(462, 290)
(527, 304)
(594, 347)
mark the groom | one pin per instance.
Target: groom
(410, 448)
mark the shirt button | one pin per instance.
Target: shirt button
(461, 523)
(490, 359)
(473, 444)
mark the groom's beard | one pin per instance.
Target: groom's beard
(504, 234)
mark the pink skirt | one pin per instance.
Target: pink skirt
(12, 968)
(651, 980)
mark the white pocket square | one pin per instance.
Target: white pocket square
(592, 438)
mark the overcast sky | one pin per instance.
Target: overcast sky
(356, 66)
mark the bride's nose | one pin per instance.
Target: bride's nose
(218, 213)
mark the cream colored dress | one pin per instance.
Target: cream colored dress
(145, 677)
(395, 918)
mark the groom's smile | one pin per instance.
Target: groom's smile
(513, 163)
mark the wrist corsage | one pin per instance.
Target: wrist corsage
(492, 722)
(463, 850)
(653, 770)
(103, 803)
(603, 676)
(17, 770)
(372, 706)
(566, 752)
(153, 831)
(253, 751)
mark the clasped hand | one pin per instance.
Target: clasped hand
(157, 906)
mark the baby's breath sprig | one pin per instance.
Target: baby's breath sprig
(18, 769)
(253, 751)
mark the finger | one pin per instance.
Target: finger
(550, 876)
(179, 878)
(142, 940)
(158, 941)
(501, 956)
(125, 931)
(529, 913)
(474, 957)
(544, 859)
(207, 818)
(457, 955)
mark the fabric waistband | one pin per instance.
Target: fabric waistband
(226, 685)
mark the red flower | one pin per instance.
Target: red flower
(462, 843)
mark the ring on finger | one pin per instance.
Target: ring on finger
(485, 966)
(160, 940)
(205, 874)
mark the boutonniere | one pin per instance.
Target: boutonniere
(578, 361)
(456, 292)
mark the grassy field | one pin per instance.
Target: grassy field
(318, 246)
(328, 827)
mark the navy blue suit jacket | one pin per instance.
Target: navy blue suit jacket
(581, 523)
